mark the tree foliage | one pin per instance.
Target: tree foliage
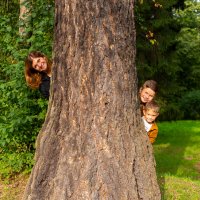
(167, 50)
(188, 47)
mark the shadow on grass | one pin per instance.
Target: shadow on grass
(175, 150)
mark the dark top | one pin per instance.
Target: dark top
(44, 86)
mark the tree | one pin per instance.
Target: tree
(188, 47)
(24, 17)
(157, 29)
(92, 144)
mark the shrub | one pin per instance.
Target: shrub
(22, 110)
(170, 111)
(190, 104)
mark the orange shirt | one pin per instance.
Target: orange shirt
(153, 132)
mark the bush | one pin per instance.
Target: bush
(170, 112)
(22, 110)
(14, 163)
(190, 104)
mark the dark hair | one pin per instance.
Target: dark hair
(150, 84)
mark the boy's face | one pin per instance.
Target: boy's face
(150, 115)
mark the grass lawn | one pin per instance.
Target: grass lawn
(177, 154)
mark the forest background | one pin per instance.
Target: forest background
(168, 47)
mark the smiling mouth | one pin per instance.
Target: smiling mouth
(42, 66)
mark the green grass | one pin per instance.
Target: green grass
(177, 154)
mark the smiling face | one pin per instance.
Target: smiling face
(146, 95)
(39, 64)
(150, 115)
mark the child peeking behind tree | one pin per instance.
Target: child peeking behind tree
(150, 113)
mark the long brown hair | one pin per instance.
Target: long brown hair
(32, 76)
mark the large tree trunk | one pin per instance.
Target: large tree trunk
(93, 145)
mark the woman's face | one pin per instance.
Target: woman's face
(39, 64)
(146, 95)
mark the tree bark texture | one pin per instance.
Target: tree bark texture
(24, 17)
(92, 145)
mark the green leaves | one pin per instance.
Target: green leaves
(168, 46)
(22, 110)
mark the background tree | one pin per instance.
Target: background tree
(24, 18)
(167, 46)
(157, 30)
(92, 144)
(188, 49)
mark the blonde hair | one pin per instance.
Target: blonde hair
(153, 106)
(32, 76)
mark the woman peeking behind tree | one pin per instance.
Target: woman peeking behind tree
(38, 72)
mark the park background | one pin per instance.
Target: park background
(168, 47)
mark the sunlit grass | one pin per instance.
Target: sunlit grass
(177, 153)
(181, 188)
(177, 156)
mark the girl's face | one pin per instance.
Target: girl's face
(146, 95)
(39, 64)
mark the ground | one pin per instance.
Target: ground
(14, 188)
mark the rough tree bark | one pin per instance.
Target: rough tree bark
(92, 145)
(24, 17)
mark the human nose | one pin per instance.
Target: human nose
(150, 118)
(39, 64)
(147, 96)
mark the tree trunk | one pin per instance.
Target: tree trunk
(92, 145)
(24, 18)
